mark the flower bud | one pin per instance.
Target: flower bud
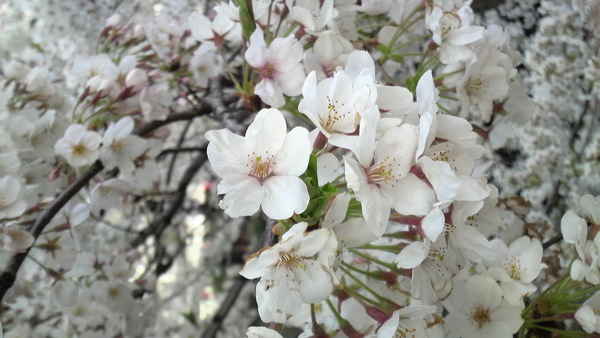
(106, 87)
(137, 79)
(138, 32)
(94, 83)
(114, 21)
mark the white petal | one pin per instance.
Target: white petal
(256, 55)
(412, 255)
(315, 282)
(243, 197)
(284, 196)
(415, 197)
(293, 157)
(442, 178)
(337, 211)
(266, 133)
(226, 153)
(433, 224)
(270, 93)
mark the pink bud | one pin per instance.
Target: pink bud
(106, 87)
(137, 79)
(114, 21)
(94, 83)
(138, 32)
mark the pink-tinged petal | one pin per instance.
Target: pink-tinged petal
(256, 54)
(315, 282)
(226, 153)
(265, 136)
(414, 196)
(293, 157)
(285, 53)
(243, 195)
(270, 93)
(284, 196)
(291, 81)
(442, 178)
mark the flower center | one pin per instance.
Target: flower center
(268, 71)
(475, 86)
(512, 268)
(80, 149)
(481, 316)
(260, 167)
(449, 22)
(291, 260)
(382, 172)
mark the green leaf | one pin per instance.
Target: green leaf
(247, 18)
(319, 196)
(397, 57)
(385, 50)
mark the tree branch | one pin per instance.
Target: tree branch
(8, 276)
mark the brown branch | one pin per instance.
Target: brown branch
(163, 220)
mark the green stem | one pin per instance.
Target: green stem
(375, 260)
(363, 285)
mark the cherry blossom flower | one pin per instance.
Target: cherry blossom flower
(78, 146)
(516, 267)
(262, 169)
(120, 148)
(476, 309)
(290, 274)
(279, 65)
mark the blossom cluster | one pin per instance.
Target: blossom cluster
(382, 218)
